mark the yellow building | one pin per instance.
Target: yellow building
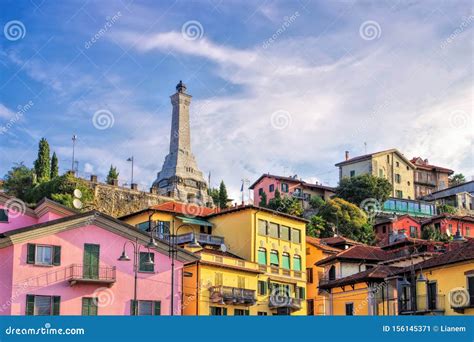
(316, 251)
(390, 164)
(246, 250)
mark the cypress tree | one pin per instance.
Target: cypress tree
(42, 163)
(113, 174)
(54, 166)
(222, 195)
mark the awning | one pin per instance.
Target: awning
(194, 221)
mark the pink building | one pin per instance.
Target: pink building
(289, 186)
(55, 261)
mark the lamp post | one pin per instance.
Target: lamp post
(173, 251)
(136, 259)
(74, 138)
(131, 160)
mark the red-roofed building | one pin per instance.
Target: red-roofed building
(429, 178)
(384, 227)
(449, 224)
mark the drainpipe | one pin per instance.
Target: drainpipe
(197, 288)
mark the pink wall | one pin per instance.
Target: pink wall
(265, 184)
(50, 280)
(17, 222)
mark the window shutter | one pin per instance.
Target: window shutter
(56, 255)
(56, 301)
(31, 250)
(157, 307)
(85, 306)
(224, 311)
(246, 312)
(133, 305)
(30, 305)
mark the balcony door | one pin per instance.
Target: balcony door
(91, 261)
(431, 291)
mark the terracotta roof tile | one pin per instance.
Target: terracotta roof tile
(319, 244)
(184, 208)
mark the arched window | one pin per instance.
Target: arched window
(274, 258)
(285, 261)
(297, 263)
(262, 256)
(332, 273)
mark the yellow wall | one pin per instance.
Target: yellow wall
(358, 296)
(175, 222)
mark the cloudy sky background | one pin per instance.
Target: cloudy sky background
(280, 87)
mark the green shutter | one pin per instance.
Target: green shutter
(56, 301)
(157, 308)
(246, 312)
(30, 305)
(56, 255)
(85, 306)
(274, 259)
(285, 262)
(297, 263)
(133, 306)
(303, 294)
(3, 215)
(31, 251)
(224, 311)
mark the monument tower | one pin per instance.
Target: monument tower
(180, 177)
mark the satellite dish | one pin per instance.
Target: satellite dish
(223, 248)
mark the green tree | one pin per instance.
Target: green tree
(54, 166)
(42, 163)
(356, 189)
(430, 232)
(316, 227)
(456, 179)
(18, 181)
(113, 175)
(446, 209)
(223, 198)
(287, 205)
(214, 193)
(263, 200)
(316, 202)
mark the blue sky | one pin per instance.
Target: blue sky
(282, 87)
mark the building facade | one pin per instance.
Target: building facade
(461, 197)
(451, 224)
(390, 164)
(429, 178)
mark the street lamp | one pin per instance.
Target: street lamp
(136, 259)
(74, 138)
(131, 160)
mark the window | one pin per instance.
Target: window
(262, 256)
(352, 173)
(285, 233)
(3, 215)
(309, 275)
(145, 308)
(274, 258)
(43, 255)
(261, 313)
(310, 306)
(295, 235)
(218, 279)
(260, 191)
(285, 261)
(271, 188)
(284, 187)
(262, 287)
(332, 273)
(399, 193)
(450, 228)
(300, 292)
(381, 173)
(398, 178)
(470, 288)
(89, 306)
(163, 229)
(262, 227)
(273, 230)
(217, 311)
(388, 159)
(241, 282)
(144, 226)
(397, 164)
(349, 309)
(384, 229)
(468, 231)
(413, 232)
(241, 312)
(42, 305)
(297, 263)
(145, 257)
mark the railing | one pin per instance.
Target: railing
(232, 295)
(278, 301)
(202, 238)
(324, 280)
(423, 304)
(280, 271)
(91, 274)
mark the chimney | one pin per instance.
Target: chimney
(347, 155)
(94, 178)
(114, 182)
(153, 190)
(134, 186)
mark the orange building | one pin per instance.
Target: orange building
(404, 224)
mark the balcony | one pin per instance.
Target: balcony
(203, 239)
(232, 295)
(84, 274)
(424, 305)
(277, 301)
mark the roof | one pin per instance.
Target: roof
(84, 219)
(451, 191)
(251, 206)
(392, 219)
(462, 253)
(187, 209)
(377, 273)
(467, 218)
(370, 155)
(424, 165)
(319, 244)
(357, 252)
(292, 179)
(337, 240)
(218, 252)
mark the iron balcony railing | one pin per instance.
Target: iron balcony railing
(281, 301)
(91, 274)
(232, 295)
(421, 304)
(206, 239)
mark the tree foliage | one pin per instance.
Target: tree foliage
(263, 200)
(18, 181)
(358, 188)
(456, 179)
(223, 197)
(42, 163)
(112, 175)
(288, 205)
(446, 209)
(54, 166)
(430, 232)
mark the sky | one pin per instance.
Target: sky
(278, 86)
